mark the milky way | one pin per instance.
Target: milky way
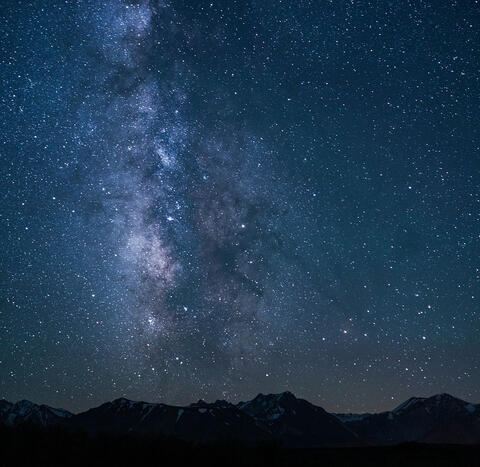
(194, 209)
(212, 199)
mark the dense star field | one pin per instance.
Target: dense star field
(215, 199)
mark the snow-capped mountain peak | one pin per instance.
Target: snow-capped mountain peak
(25, 411)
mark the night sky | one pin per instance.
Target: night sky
(215, 199)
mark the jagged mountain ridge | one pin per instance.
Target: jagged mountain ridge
(438, 419)
(297, 422)
(25, 411)
(198, 423)
(273, 417)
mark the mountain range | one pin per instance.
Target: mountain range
(282, 418)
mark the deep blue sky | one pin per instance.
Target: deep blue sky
(213, 199)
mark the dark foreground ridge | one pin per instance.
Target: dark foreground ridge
(269, 429)
(31, 446)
